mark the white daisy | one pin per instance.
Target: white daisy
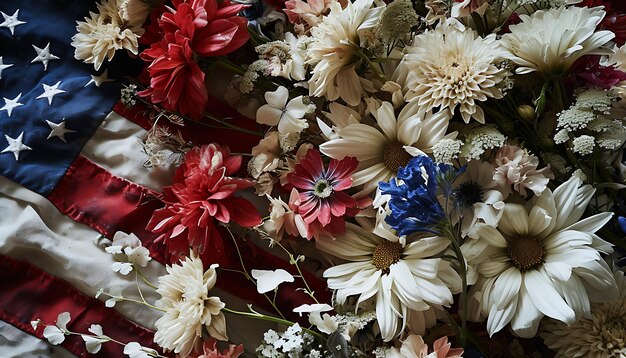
(103, 33)
(600, 335)
(382, 149)
(334, 50)
(550, 41)
(185, 297)
(540, 261)
(403, 280)
(452, 66)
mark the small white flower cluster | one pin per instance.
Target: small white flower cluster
(128, 95)
(587, 124)
(481, 139)
(446, 150)
(291, 343)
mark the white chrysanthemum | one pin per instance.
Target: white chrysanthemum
(334, 51)
(550, 41)
(452, 66)
(185, 297)
(541, 260)
(382, 150)
(103, 33)
(404, 280)
(602, 334)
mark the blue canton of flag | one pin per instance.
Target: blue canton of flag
(50, 103)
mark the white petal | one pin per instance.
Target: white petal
(526, 319)
(278, 98)
(54, 335)
(316, 307)
(405, 287)
(267, 280)
(96, 329)
(558, 270)
(506, 289)
(387, 120)
(491, 235)
(385, 315)
(592, 223)
(514, 220)
(268, 115)
(546, 298)
(123, 268)
(498, 318)
(565, 201)
(63, 319)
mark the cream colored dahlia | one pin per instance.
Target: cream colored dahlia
(188, 307)
(335, 48)
(599, 335)
(403, 280)
(550, 41)
(541, 260)
(451, 66)
(382, 149)
(103, 33)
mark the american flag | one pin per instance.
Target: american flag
(71, 172)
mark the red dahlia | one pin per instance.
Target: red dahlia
(202, 193)
(191, 29)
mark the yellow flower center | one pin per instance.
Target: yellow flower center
(395, 156)
(526, 252)
(386, 254)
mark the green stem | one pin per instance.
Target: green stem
(146, 280)
(245, 273)
(263, 317)
(294, 262)
(228, 65)
(456, 246)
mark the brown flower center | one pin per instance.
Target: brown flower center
(526, 252)
(395, 156)
(386, 254)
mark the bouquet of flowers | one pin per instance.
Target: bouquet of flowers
(437, 178)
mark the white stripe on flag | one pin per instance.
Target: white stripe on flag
(17, 344)
(116, 146)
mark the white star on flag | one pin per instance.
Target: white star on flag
(11, 22)
(9, 104)
(44, 56)
(58, 130)
(50, 91)
(98, 80)
(3, 66)
(16, 145)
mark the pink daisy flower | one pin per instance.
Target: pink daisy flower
(323, 204)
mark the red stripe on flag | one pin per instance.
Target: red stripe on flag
(48, 296)
(91, 195)
(201, 134)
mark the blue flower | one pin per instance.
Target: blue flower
(622, 223)
(414, 204)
